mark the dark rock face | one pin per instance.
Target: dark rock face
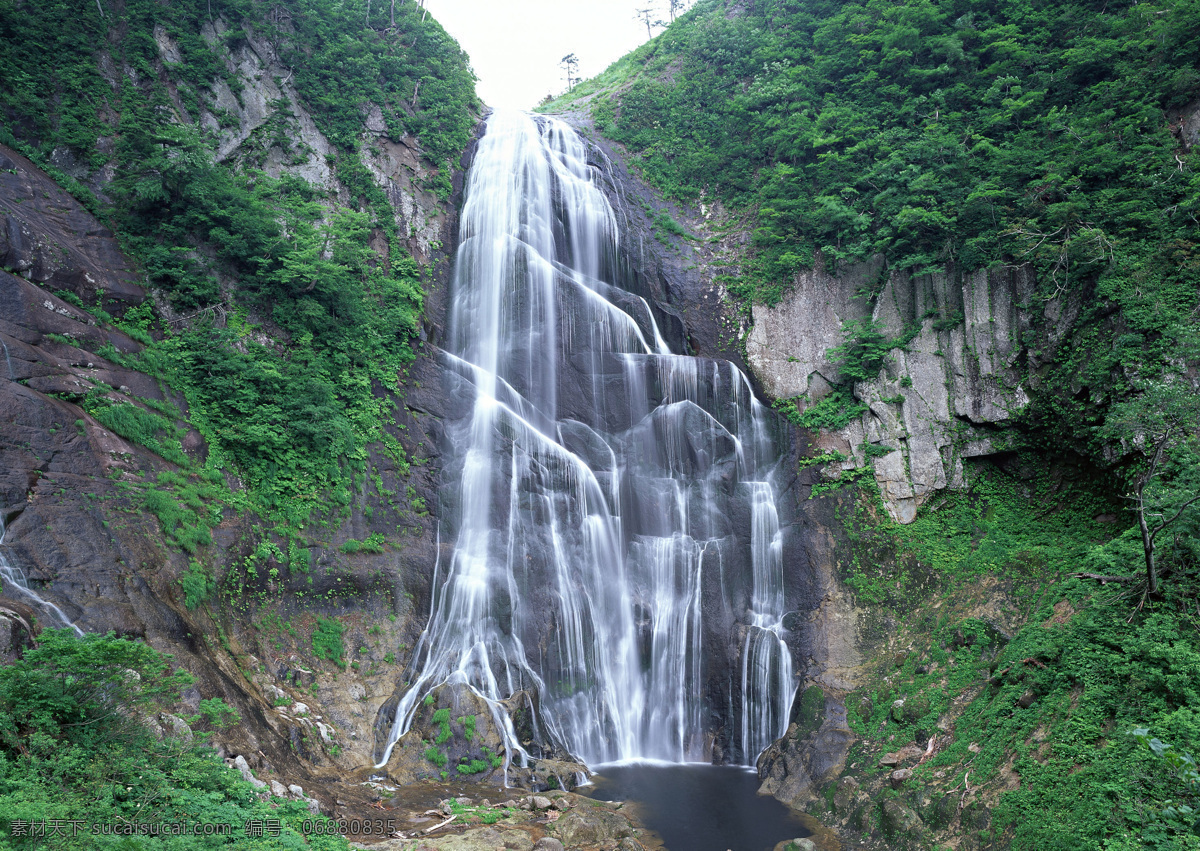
(48, 238)
(17, 631)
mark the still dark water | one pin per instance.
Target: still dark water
(701, 807)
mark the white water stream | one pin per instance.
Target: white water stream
(609, 497)
(14, 583)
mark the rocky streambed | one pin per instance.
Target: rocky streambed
(439, 816)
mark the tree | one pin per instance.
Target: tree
(91, 691)
(1162, 424)
(645, 16)
(862, 354)
(571, 63)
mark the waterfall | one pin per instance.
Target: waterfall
(611, 503)
(13, 581)
(12, 578)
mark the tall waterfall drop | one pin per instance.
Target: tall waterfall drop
(612, 506)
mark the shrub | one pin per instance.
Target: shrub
(327, 639)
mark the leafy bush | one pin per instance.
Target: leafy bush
(861, 356)
(327, 639)
(835, 411)
(373, 544)
(218, 714)
(76, 744)
(441, 720)
(197, 585)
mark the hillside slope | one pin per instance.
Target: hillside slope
(218, 418)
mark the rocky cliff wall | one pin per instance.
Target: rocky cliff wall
(974, 340)
(74, 494)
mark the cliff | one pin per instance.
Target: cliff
(185, 442)
(951, 393)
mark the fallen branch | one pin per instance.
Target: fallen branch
(440, 826)
(998, 677)
(928, 750)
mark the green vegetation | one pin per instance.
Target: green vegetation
(373, 544)
(218, 714)
(152, 430)
(1055, 702)
(441, 720)
(282, 364)
(928, 131)
(76, 744)
(835, 411)
(197, 585)
(327, 640)
(990, 531)
(861, 356)
(486, 815)
(1161, 421)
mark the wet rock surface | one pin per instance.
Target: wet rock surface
(47, 238)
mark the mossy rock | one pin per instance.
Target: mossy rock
(898, 820)
(796, 845)
(808, 711)
(977, 816)
(911, 709)
(939, 811)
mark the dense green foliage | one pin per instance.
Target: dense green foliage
(76, 748)
(327, 640)
(1056, 702)
(317, 323)
(929, 131)
(994, 530)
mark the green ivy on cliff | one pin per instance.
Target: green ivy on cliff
(1053, 703)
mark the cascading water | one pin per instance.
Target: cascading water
(613, 504)
(13, 581)
(7, 360)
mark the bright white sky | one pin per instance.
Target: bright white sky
(516, 45)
